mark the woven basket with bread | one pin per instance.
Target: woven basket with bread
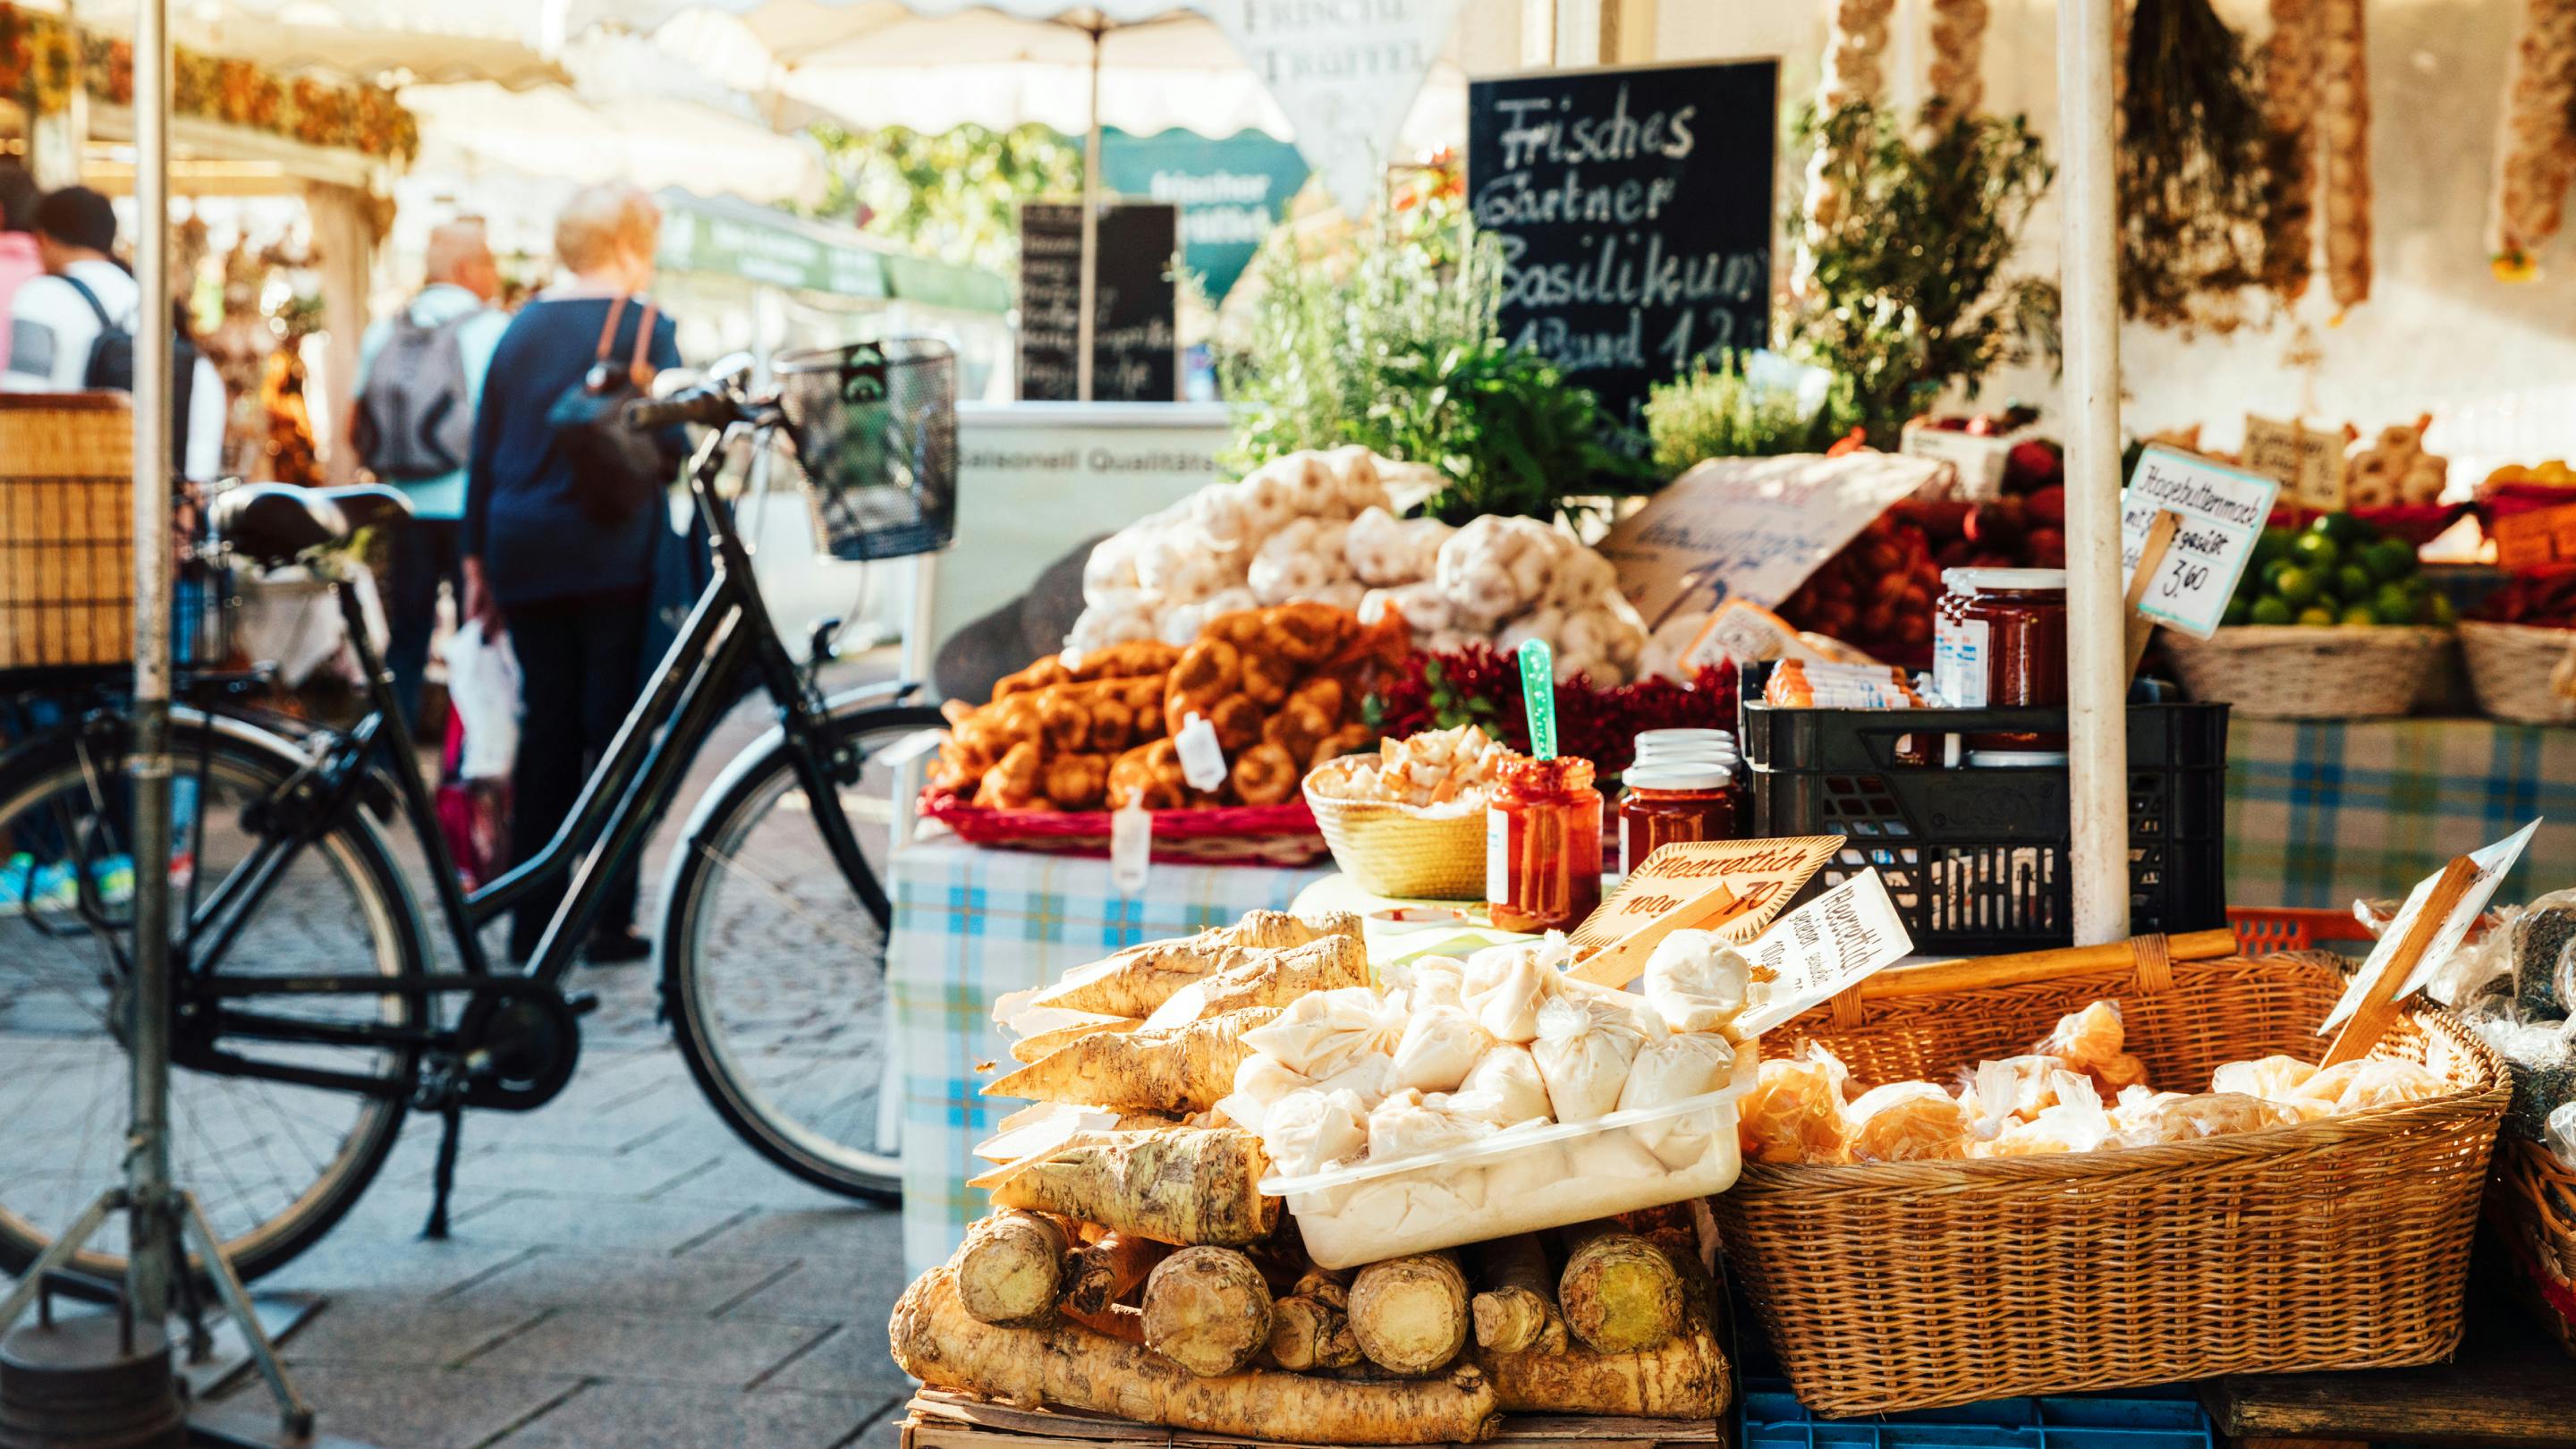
(1408, 820)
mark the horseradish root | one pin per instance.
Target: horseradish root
(1071, 1367)
(1683, 1378)
(1181, 1185)
(1141, 978)
(1280, 977)
(1180, 1070)
(1619, 1293)
(1207, 1310)
(1010, 1266)
(1308, 1334)
(1044, 1044)
(1099, 1274)
(1518, 1309)
(1410, 1314)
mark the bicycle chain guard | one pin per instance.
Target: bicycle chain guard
(517, 1046)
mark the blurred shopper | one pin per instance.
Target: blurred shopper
(560, 533)
(76, 327)
(18, 258)
(420, 377)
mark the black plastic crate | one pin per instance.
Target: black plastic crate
(1978, 858)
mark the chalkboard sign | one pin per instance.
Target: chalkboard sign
(1135, 348)
(1634, 212)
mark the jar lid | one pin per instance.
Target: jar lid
(2015, 759)
(1701, 756)
(1679, 736)
(1965, 581)
(1680, 775)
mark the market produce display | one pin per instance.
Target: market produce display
(2075, 1090)
(2395, 470)
(1317, 528)
(2541, 598)
(1133, 1267)
(1280, 687)
(2337, 570)
(1446, 772)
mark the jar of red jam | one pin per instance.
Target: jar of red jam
(1543, 845)
(1663, 804)
(1999, 641)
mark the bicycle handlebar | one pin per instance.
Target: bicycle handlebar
(707, 404)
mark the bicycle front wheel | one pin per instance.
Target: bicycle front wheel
(773, 972)
(274, 1164)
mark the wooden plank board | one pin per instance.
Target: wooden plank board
(942, 1420)
(2507, 1385)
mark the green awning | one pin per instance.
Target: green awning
(734, 238)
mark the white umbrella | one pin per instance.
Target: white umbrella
(380, 40)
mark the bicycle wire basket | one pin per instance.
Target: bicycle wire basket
(874, 428)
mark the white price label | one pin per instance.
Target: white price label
(2492, 863)
(1202, 758)
(1498, 855)
(2223, 511)
(1131, 846)
(1846, 935)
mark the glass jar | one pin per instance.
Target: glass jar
(1543, 845)
(1664, 804)
(2000, 642)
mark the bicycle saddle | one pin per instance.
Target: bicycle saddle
(273, 524)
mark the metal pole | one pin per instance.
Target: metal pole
(2097, 686)
(153, 1230)
(1090, 224)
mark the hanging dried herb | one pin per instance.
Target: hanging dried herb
(2194, 147)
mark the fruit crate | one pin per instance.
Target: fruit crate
(1977, 859)
(1771, 1415)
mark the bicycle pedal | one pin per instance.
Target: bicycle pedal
(581, 1003)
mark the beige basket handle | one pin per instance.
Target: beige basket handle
(2151, 958)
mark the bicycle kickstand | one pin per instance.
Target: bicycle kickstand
(447, 1095)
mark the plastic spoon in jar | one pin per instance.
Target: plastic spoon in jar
(1538, 695)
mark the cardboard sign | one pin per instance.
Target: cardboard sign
(1978, 458)
(2305, 460)
(1760, 876)
(2491, 863)
(1741, 633)
(1344, 75)
(2223, 512)
(1825, 947)
(1753, 528)
(2541, 537)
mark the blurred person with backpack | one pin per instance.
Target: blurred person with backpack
(420, 379)
(566, 509)
(19, 262)
(74, 328)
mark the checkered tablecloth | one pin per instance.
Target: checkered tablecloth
(971, 925)
(2321, 813)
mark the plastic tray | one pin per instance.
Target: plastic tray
(1519, 1181)
(1978, 860)
(1771, 1415)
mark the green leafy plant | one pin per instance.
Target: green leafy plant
(1906, 290)
(953, 193)
(1394, 345)
(1720, 413)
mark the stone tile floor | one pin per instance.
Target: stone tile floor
(622, 1272)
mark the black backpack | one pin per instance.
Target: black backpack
(416, 418)
(111, 366)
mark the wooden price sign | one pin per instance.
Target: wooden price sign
(2531, 540)
(2422, 935)
(1732, 887)
(2307, 461)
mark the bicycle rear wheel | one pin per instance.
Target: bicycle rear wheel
(274, 1165)
(773, 972)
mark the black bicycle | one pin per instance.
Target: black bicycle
(311, 1010)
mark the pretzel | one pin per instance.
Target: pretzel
(1265, 774)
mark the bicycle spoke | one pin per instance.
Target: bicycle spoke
(787, 899)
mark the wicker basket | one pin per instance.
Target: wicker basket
(2298, 672)
(2532, 1203)
(1281, 835)
(2342, 1243)
(66, 530)
(1400, 850)
(2510, 666)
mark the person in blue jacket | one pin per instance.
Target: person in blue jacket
(571, 588)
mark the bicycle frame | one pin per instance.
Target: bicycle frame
(726, 635)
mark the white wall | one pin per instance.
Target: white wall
(2495, 363)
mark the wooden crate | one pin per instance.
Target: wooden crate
(939, 1420)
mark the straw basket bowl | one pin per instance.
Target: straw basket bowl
(2298, 672)
(2340, 1243)
(1399, 850)
(2511, 667)
(2532, 1203)
(66, 529)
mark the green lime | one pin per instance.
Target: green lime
(2396, 603)
(2299, 587)
(2316, 550)
(2270, 544)
(2269, 611)
(2359, 614)
(2318, 617)
(2353, 583)
(2344, 528)
(2273, 569)
(2390, 558)
(2239, 610)
(2438, 611)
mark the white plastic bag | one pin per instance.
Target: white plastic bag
(1583, 1051)
(1503, 1087)
(1440, 1044)
(1697, 982)
(483, 686)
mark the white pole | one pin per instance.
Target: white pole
(1090, 225)
(2096, 681)
(153, 1234)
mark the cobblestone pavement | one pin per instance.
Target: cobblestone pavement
(622, 1272)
